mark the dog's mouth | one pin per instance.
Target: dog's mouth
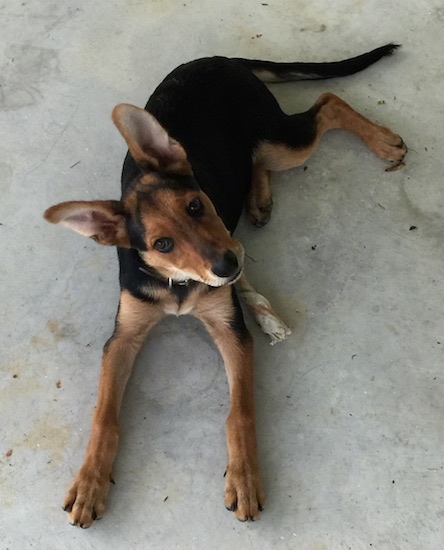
(223, 281)
(184, 279)
(226, 270)
(236, 276)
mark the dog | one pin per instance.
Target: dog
(201, 150)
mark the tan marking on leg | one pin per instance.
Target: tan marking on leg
(279, 156)
(262, 311)
(87, 494)
(243, 487)
(259, 200)
(333, 113)
(336, 113)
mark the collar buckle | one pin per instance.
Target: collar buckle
(180, 283)
(171, 282)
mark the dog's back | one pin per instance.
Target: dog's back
(219, 111)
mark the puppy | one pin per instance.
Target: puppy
(200, 151)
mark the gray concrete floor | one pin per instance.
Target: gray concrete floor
(350, 408)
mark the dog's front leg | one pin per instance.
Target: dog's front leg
(86, 497)
(221, 313)
(262, 311)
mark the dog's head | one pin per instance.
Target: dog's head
(163, 214)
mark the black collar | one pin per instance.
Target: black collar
(167, 280)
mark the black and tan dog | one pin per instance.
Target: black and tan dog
(203, 148)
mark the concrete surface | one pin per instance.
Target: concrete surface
(350, 408)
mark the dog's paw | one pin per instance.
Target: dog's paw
(264, 315)
(243, 492)
(387, 145)
(259, 215)
(274, 327)
(85, 500)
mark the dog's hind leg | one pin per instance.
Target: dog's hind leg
(259, 200)
(292, 139)
(288, 140)
(336, 113)
(86, 497)
(262, 311)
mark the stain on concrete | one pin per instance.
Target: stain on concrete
(26, 68)
(53, 333)
(48, 435)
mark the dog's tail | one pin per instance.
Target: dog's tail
(268, 71)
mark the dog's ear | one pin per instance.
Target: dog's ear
(103, 221)
(148, 142)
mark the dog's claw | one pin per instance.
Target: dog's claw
(395, 167)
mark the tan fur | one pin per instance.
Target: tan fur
(278, 156)
(336, 113)
(243, 487)
(333, 113)
(87, 494)
(86, 497)
(259, 201)
(195, 248)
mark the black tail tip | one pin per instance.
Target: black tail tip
(391, 48)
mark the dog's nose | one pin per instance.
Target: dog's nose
(227, 265)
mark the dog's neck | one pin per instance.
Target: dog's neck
(159, 277)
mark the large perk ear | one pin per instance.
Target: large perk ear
(148, 142)
(103, 221)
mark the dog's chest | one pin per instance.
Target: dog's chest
(173, 307)
(182, 303)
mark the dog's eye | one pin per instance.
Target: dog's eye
(195, 207)
(164, 244)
